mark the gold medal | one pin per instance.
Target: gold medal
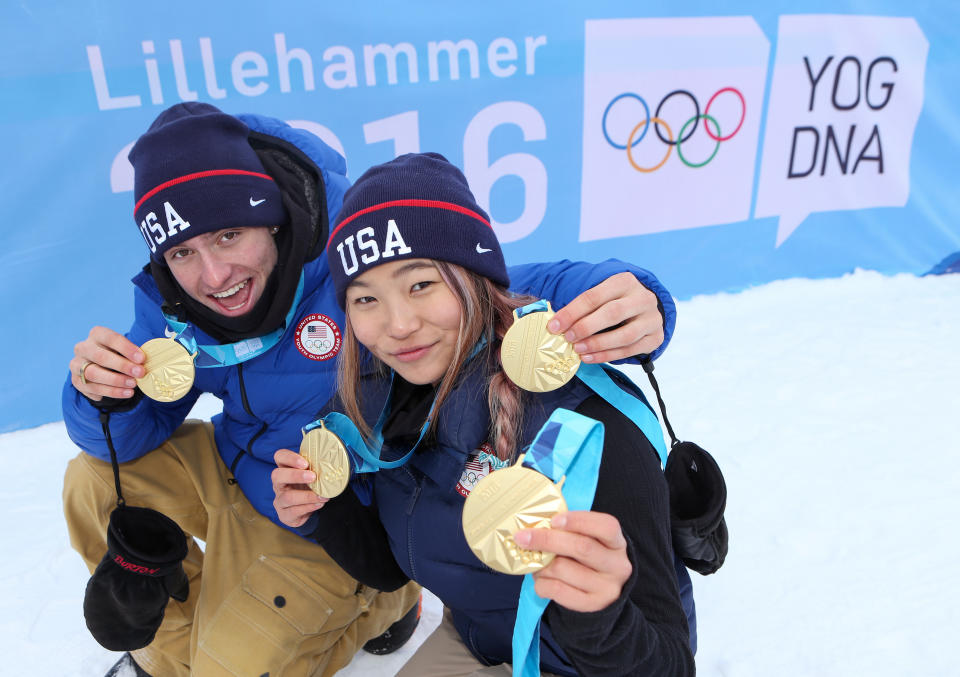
(535, 359)
(502, 503)
(169, 370)
(328, 458)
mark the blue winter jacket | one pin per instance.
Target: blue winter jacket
(420, 505)
(266, 400)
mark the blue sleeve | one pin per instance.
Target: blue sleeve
(332, 165)
(140, 429)
(563, 281)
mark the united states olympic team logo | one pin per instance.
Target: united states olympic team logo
(665, 132)
(475, 470)
(317, 337)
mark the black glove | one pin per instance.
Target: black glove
(698, 497)
(143, 568)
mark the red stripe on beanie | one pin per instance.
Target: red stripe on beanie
(435, 204)
(194, 176)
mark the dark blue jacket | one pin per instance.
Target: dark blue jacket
(268, 399)
(420, 506)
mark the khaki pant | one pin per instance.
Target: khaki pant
(443, 654)
(262, 599)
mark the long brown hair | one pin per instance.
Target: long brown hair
(486, 311)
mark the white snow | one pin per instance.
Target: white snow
(829, 404)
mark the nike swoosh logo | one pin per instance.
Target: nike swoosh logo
(254, 203)
(169, 333)
(481, 250)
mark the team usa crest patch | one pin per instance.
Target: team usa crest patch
(317, 337)
(475, 470)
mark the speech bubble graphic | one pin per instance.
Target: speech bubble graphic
(671, 123)
(844, 102)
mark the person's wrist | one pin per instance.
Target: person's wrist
(116, 405)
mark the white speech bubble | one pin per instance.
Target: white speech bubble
(713, 66)
(844, 102)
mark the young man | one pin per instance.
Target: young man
(235, 214)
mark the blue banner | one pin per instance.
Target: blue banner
(774, 141)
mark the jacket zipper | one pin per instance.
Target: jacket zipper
(411, 504)
(263, 427)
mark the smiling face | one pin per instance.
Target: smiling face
(406, 315)
(225, 270)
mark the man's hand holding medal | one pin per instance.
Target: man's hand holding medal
(107, 364)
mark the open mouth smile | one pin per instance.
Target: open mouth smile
(235, 297)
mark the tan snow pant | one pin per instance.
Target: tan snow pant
(443, 654)
(262, 600)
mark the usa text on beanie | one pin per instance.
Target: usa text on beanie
(417, 206)
(195, 172)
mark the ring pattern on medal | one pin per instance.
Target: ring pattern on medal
(633, 139)
(169, 370)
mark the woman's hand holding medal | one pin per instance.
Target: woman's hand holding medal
(590, 566)
(294, 500)
(621, 302)
(106, 364)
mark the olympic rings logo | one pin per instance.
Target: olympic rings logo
(658, 122)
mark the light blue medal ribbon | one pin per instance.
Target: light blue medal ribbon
(556, 449)
(599, 381)
(595, 377)
(224, 355)
(568, 445)
(536, 307)
(364, 456)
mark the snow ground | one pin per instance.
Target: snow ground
(827, 404)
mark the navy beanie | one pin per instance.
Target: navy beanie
(417, 206)
(195, 172)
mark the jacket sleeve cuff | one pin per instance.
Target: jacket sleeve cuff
(582, 627)
(116, 405)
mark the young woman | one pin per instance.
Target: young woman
(423, 281)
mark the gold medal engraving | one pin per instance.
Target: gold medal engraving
(169, 370)
(535, 359)
(328, 458)
(502, 503)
